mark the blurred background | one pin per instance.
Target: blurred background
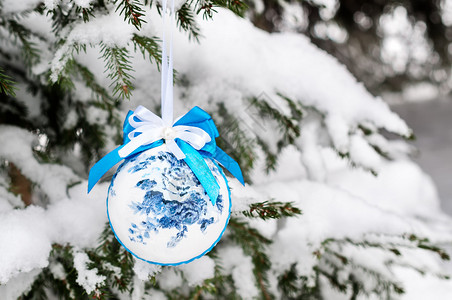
(400, 50)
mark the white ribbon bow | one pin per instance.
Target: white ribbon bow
(151, 128)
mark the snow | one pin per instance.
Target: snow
(83, 3)
(337, 201)
(401, 199)
(78, 221)
(280, 66)
(87, 278)
(198, 270)
(335, 215)
(32, 102)
(407, 190)
(14, 6)
(71, 120)
(144, 270)
(96, 116)
(23, 230)
(308, 143)
(339, 132)
(235, 262)
(57, 271)
(109, 28)
(169, 279)
(420, 287)
(363, 154)
(52, 179)
(18, 285)
(155, 295)
(8, 200)
(138, 289)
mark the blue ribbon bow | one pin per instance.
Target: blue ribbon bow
(196, 117)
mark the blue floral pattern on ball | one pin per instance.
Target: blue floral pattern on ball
(187, 206)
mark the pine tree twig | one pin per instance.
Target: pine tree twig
(186, 21)
(424, 243)
(64, 64)
(150, 47)
(235, 140)
(332, 260)
(86, 13)
(92, 83)
(29, 48)
(271, 158)
(208, 10)
(119, 68)
(271, 210)
(132, 10)
(7, 85)
(287, 124)
(208, 7)
(253, 244)
(263, 111)
(236, 6)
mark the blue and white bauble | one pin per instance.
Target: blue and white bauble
(160, 212)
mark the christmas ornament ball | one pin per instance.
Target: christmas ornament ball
(160, 212)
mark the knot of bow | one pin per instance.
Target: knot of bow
(191, 138)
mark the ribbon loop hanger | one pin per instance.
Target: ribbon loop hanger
(167, 68)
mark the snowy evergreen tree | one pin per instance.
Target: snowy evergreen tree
(332, 208)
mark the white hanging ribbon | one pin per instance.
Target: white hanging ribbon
(167, 68)
(151, 128)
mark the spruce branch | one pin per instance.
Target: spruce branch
(65, 285)
(288, 282)
(63, 16)
(271, 210)
(86, 13)
(294, 286)
(221, 284)
(148, 46)
(132, 11)
(424, 243)
(119, 68)
(333, 261)
(63, 63)
(271, 158)
(296, 109)
(113, 262)
(288, 125)
(235, 141)
(7, 84)
(62, 76)
(253, 244)
(186, 20)
(29, 48)
(91, 82)
(236, 6)
(208, 7)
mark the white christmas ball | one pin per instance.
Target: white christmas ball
(160, 212)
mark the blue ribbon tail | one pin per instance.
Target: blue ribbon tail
(195, 117)
(197, 164)
(102, 166)
(230, 164)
